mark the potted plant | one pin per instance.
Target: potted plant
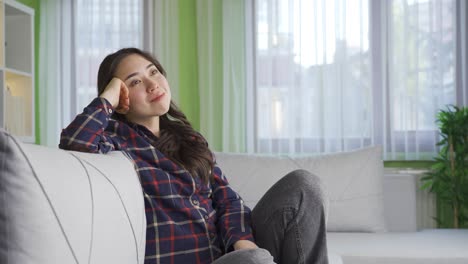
(448, 176)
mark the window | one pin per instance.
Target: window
(339, 75)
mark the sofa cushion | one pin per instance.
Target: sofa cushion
(60, 206)
(352, 182)
(431, 246)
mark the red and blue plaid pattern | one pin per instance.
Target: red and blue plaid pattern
(187, 221)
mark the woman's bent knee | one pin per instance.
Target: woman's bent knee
(247, 256)
(308, 185)
(307, 182)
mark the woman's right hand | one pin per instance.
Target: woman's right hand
(116, 92)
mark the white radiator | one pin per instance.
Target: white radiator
(407, 207)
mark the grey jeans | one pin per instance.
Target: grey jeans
(288, 224)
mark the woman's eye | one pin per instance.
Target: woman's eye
(154, 71)
(134, 82)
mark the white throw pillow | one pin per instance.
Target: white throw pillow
(352, 182)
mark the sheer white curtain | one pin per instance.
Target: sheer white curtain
(55, 68)
(75, 36)
(421, 53)
(339, 75)
(312, 88)
(462, 52)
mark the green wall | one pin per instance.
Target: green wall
(416, 164)
(35, 4)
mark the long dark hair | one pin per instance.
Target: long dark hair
(178, 140)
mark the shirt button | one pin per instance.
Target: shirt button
(195, 202)
(110, 111)
(206, 217)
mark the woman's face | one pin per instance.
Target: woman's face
(149, 91)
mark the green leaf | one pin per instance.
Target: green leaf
(426, 185)
(448, 176)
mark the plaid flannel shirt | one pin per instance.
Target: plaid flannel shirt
(187, 221)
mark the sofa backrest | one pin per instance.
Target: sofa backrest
(352, 182)
(61, 206)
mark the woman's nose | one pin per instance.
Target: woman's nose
(152, 85)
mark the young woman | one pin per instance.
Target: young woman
(193, 215)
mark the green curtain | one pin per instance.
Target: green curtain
(235, 79)
(208, 78)
(210, 70)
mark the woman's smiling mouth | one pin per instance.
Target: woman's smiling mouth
(157, 98)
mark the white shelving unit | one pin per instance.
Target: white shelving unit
(17, 69)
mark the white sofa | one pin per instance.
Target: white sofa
(374, 215)
(68, 207)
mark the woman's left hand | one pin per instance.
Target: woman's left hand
(244, 244)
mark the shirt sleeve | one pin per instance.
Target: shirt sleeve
(87, 131)
(234, 217)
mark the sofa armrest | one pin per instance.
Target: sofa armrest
(60, 206)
